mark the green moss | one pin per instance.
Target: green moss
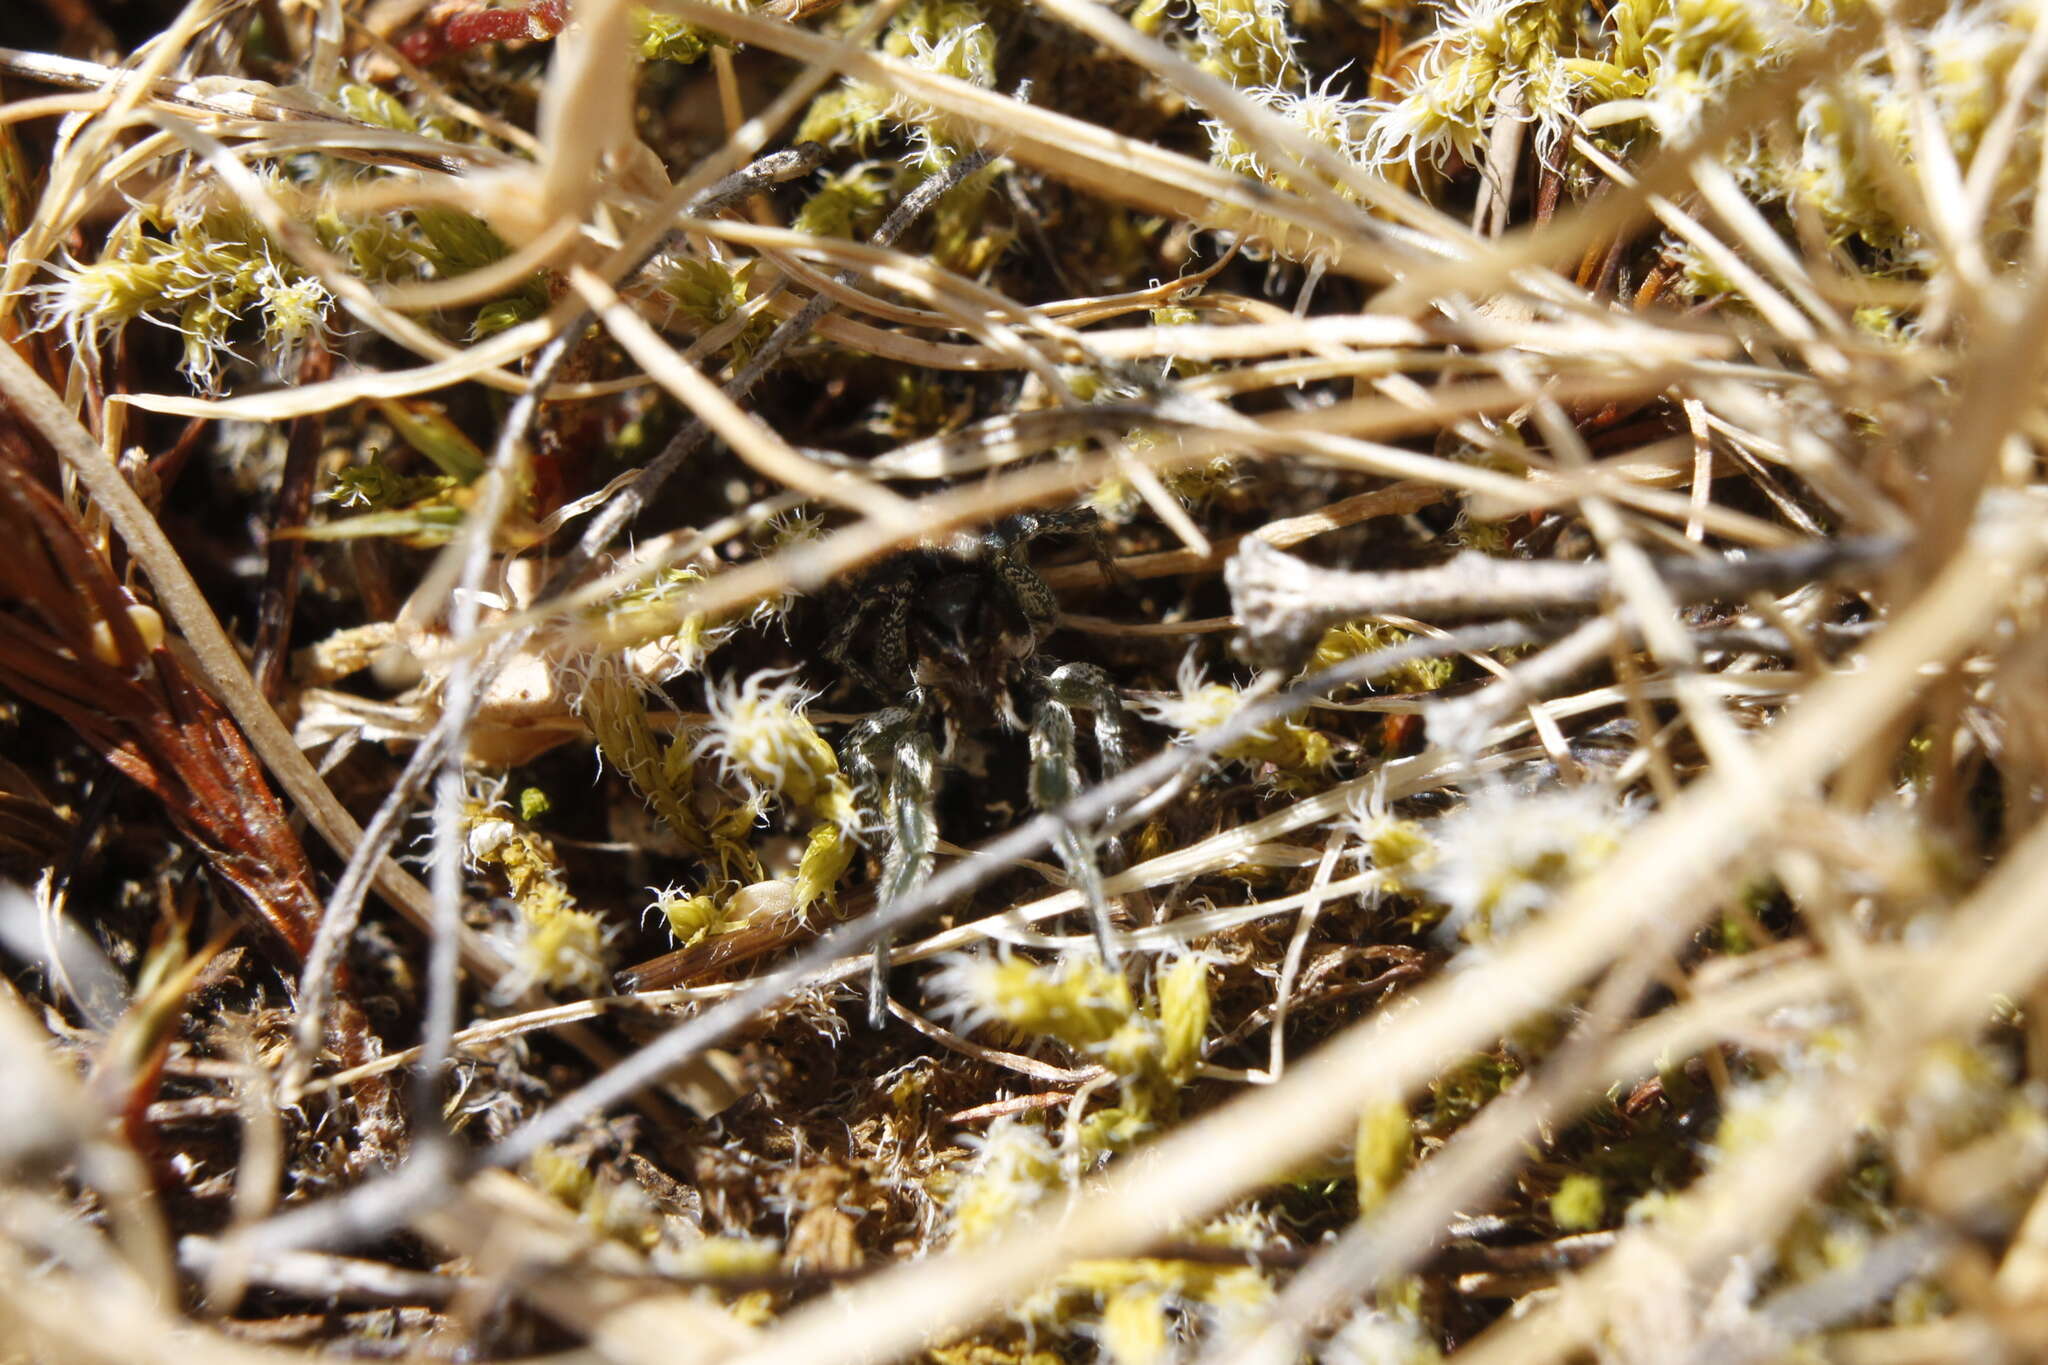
(1580, 1203)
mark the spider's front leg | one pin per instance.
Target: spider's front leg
(893, 760)
(1011, 537)
(881, 664)
(1056, 774)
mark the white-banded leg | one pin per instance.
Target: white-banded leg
(1055, 781)
(1085, 687)
(892, 758)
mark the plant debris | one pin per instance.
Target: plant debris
(997, 683)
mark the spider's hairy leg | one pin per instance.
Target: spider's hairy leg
(913, 833)
(882, 666)
(1035, 601)
(1055, 780)
(1013, 533)
(1021, 528)
(1087, 688)
(893, 758)
(1084, 687)
(1008, 542)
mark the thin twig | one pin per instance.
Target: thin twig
(1284, 603)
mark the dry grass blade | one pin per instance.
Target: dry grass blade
(1231, 682)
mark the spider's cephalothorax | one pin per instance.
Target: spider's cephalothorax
(948, 641)
(959, 624)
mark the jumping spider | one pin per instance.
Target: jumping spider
(948, 641)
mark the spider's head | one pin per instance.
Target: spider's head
(951, 620)
(967, 640)
(958, 624)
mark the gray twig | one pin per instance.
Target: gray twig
(1285, 603)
